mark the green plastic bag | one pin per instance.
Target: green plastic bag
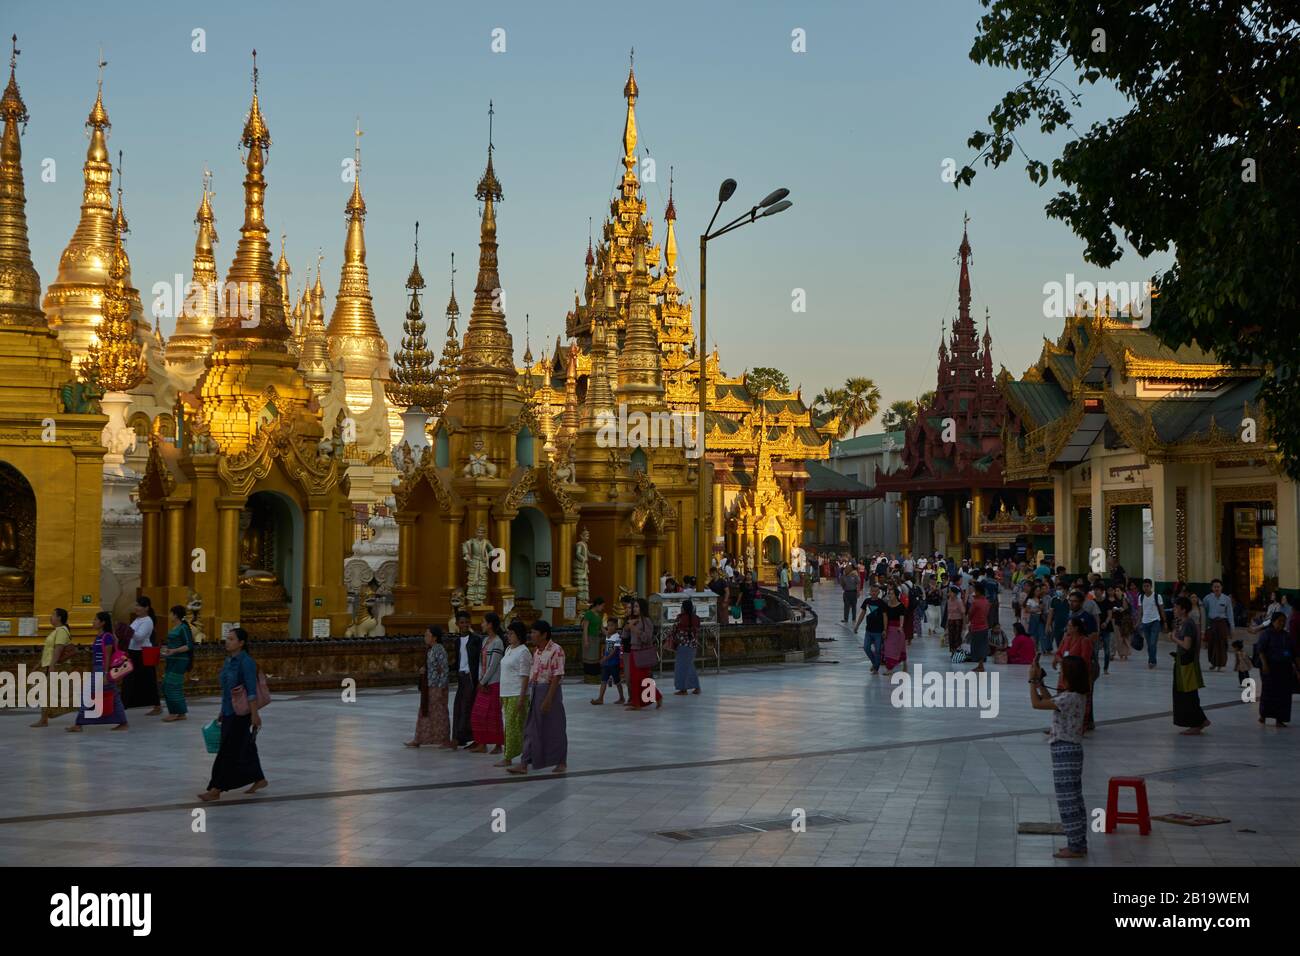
(212, 736)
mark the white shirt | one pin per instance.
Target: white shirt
(464, 654)
(1150, 603)
(515, 666)
(141, 633)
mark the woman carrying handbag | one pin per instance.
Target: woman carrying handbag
(243, 695)
(641, 660)
(109, 664)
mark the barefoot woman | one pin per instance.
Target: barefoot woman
(237, 761)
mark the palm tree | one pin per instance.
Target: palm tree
(900, 414)
(925, 401)
(861, 403)
(832, 402)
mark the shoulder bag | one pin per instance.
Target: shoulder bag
(239, 695)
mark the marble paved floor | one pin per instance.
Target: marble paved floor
(916, 787)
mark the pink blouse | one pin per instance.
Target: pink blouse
(548, 664)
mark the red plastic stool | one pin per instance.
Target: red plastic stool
(1113, 815)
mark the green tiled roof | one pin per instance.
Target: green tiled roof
(728, 426)
(1046, 402)
(826, 480)
(1178, 419)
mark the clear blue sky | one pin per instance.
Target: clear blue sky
(857, 127)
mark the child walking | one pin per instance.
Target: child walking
(610, 659)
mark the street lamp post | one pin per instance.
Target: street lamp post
(772, 204)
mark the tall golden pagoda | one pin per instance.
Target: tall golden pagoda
(485, 482)
(354, 335)
(116, 354)
(73, 300)
(192, 338)
(51, 458)
(255, 484)
(756, 512)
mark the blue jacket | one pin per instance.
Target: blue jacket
(238, 669)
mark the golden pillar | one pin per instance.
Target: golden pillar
(501, 578)
(227, 604)
(150, 519)
(798, 510)
(175, 550)
(454, 562)
(405, 547)
(718, 515)
(564, 564)
(956, 535)
(673, 557)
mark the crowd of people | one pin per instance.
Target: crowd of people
(509, 701)
(1081, 623)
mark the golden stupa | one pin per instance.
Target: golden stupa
(51, 459)
(191, 340)
(253, 483)
(354, 336)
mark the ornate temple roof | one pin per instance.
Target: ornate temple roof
(1168, 404)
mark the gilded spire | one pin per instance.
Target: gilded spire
(20, 285)
(283, 272)
(414, 378)
(252, 309)
(73, 300)
(314, 357)
(670, 239)
(570, 420)
(630, 93)
(600, 397)
(118, 357)
(639, 364)
(488, 352)
(449, 364)
(354, 334)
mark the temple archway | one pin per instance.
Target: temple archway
(772, 551)
(530, 551)
(17, 543)
(271, 566)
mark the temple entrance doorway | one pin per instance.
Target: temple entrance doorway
(271, 567)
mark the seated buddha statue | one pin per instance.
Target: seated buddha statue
(12, 576)
(252, 552)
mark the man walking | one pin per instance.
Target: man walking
(849, 583)
(873, 610)
(1153, 615)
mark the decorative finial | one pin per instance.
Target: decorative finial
(13, 57)
(489, 187)
(254, 71)
(102, 63)
(417, 238)
(453, 275)
(671, 212)
(207, 178)
(357, 148)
